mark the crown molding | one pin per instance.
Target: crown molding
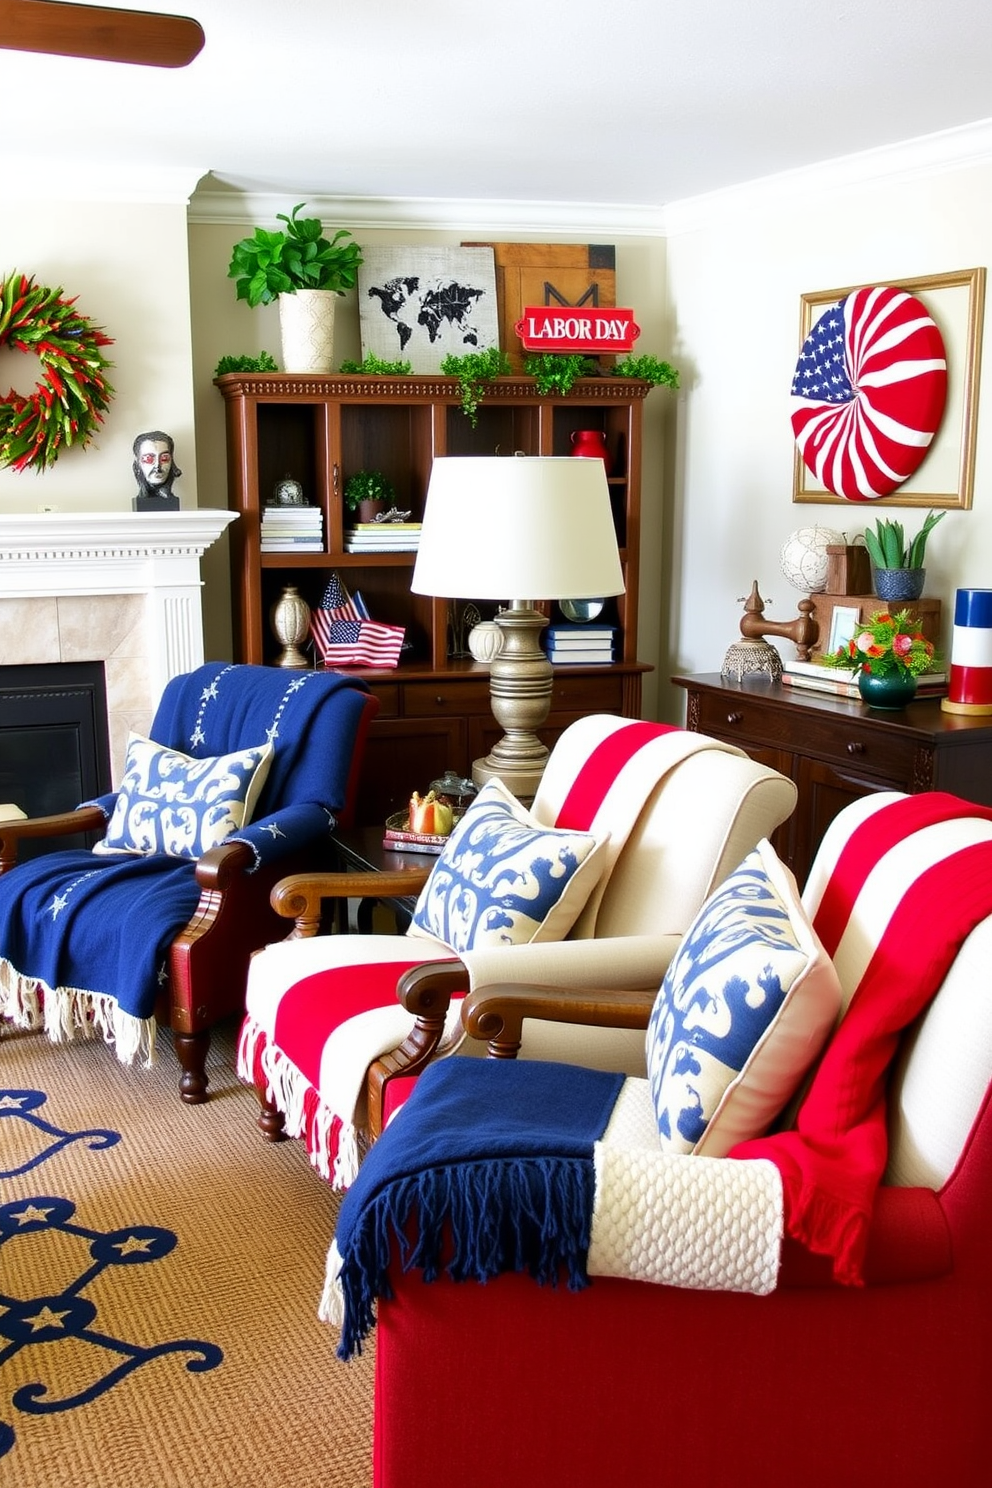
(217, 202)
(228, 203)
(931, 154)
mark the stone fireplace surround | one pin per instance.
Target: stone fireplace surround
(118, 587)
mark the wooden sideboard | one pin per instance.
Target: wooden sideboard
(837, 749)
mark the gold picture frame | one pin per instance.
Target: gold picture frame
(946, 476)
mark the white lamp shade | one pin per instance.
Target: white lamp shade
(518, 527)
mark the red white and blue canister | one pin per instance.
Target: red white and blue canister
(970, 683)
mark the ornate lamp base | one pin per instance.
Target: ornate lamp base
(520, 681)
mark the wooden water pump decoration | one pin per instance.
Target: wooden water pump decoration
(754, 653)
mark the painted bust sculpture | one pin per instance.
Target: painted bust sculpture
(155, 470)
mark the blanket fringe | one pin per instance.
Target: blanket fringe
(511, 1214)
(68, 1013)
(332, 1145)
(20, 997)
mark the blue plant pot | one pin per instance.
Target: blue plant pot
(899, 583)
(886, 692)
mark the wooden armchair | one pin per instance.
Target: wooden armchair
(174, 934)
(326, 1040)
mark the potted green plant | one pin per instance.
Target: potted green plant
(368, 493)
(305, 272)
(898, 571)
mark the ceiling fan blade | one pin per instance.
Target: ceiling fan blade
(139, 36)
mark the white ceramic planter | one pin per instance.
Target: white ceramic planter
(306, 325)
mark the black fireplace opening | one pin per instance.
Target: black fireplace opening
(54, 743)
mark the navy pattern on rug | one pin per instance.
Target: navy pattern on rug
(68, 1313)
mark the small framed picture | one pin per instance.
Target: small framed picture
(844, 623)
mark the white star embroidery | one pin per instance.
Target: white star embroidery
(272, 733)
(11, 1103)
(58, 904)
(197, 736)
(46, 1318)
(274, 830)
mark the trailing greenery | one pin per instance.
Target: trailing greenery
(475, 370)
(888, 548)
(379, 368)
(368, 485)
(556, 371)
(269, 264)
(261, 363)
(648, 369)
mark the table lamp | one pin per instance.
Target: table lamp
(518, 528)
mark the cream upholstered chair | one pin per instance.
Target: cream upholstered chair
(669, 812)
(809, 1381)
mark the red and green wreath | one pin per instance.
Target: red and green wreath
(73, 394)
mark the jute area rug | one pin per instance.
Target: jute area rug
(160, 1269)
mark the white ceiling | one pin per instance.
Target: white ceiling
(628, 102)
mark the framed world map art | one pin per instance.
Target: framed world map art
(420, 304)
(884, 398)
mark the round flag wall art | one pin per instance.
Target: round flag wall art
(869, 392)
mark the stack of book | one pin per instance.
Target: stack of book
(382, 537)
(813, 676)
(292, 529)
(572, 644)
(398, 838)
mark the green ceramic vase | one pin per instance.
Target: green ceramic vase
(886, 692)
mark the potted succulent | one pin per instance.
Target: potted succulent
(897, 564)
(368, 493)
(304, 271)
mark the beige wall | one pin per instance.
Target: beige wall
(719, 297)
(222, 325)
(736, 280)
(126, 262)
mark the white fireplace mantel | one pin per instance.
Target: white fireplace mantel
(156, 554)
(104, 552)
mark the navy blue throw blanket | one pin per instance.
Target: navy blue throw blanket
(487, 1168)
(81, 923)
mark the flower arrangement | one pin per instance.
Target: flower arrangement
(886, 646)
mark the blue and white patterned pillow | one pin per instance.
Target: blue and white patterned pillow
(746, 1005)
(172, 803)
(503, 879)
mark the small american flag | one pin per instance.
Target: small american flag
(362, 643)
(337, 604)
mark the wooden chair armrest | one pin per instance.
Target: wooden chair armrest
(298, 897)
(218, 867)
(496, 1013)
(426, 992)
(65, 824)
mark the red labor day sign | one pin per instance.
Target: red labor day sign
(579, 328)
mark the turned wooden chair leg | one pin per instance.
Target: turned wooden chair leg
(271, 1122)
(191, 1049)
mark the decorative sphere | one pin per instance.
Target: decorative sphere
(804, 557)
(485, 640)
